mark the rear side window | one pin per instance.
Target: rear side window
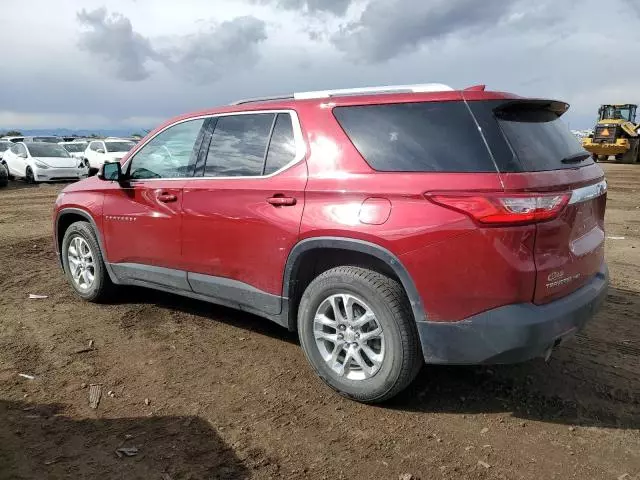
(527, 136)
(238, 145)
(416, 137)
(282, 148)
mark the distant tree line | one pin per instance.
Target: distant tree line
(11, 133)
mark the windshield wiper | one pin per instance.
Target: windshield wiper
(577, 158)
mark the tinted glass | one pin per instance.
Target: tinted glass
(528, 137)
(238, 145)
(171, 154)
(113, 147)
(74, 147)
(282, 148)
(541, 140)
(46, 139)
(416, 137)
(47, 150)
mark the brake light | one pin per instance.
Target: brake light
(501, 209)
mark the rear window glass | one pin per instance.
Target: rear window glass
(416, 137)
(537, 139)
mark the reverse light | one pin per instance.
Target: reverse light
(505, 209)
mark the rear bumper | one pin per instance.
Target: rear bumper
(513, 333)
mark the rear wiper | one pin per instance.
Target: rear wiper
(579, 157)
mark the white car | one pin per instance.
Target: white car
(4, 146)
(108, 150)
(76, 148)
(43, 162)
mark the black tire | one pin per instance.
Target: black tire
(29, 177)
(631, 156)
(102, 287)
(4, 176)
(386, 298)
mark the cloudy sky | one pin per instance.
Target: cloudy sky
(134, 63)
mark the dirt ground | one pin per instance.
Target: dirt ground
(207, 392)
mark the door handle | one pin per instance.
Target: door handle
(282, 201)
(167, 197)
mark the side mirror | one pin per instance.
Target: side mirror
(22, 155)
(100, 150)
(110, 171)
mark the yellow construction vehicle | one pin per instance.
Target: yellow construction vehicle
(615, 133)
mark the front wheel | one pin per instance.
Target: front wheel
(83, 263)
(358, 332)
(29, 176)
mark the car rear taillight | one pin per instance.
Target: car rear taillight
(504, 209)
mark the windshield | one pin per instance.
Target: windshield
(612, 112)
(75, 147)
(113, 147)
(5, 146)
(47, 150)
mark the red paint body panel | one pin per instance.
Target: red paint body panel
(139, 228)
(227, 228)
(231, 231)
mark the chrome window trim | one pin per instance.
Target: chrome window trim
(588, 193)
(301, 148)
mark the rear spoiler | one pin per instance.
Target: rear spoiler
(555, 106)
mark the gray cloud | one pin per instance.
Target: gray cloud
(204, 56)
(337, 7)
(112, 37)
(387, 28)
(217, 49)
(633, 5)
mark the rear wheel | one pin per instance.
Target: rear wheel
(83, 263)
(357, 331)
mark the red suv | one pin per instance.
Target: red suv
(389, 226)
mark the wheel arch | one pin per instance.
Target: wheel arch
(68, 216)
(312, 256)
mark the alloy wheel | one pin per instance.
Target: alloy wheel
(349, 337)
(81, 263)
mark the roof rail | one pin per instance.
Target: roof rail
(416, 88)
(262, 99)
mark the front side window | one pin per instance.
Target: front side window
(238, 145)
(171, 154)
(94, 146)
